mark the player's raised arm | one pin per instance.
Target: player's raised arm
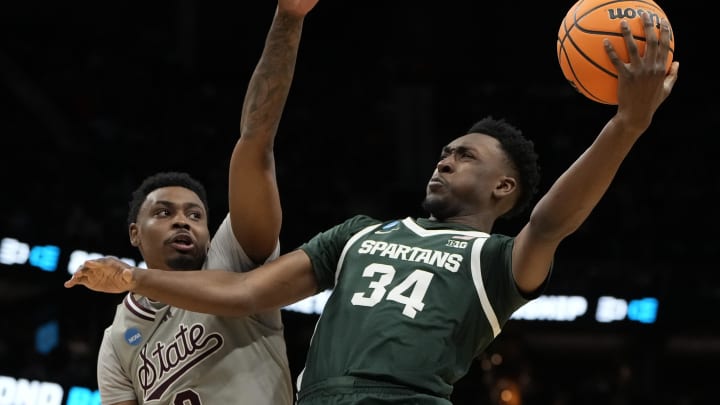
(254, 202)
(643, 84)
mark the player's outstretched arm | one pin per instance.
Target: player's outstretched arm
(643, 84)
(281, 282)
(254, 200)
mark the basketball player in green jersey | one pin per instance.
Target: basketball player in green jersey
(415, 300)
(159, 354)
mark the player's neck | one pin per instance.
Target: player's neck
(476, 222)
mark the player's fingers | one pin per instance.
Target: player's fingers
(664, 43)
(613, 55)
(91, 264)
(630, 43)
(671, 78)
(73, 281)
(651, 39)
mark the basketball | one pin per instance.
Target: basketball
(580, 50)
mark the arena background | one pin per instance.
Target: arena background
(97, 95)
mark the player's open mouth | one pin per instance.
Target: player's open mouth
(183, 242)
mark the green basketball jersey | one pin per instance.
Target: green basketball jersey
(413, 302)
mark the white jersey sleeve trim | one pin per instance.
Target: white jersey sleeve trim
(349, 243)
(410, 224)
(476, 269)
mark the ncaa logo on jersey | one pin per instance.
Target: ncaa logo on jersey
(133, 336)
(389, 227)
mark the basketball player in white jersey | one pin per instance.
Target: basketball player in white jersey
(159, 354)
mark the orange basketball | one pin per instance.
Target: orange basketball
(580, 49)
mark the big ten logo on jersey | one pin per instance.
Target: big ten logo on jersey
(458, 241)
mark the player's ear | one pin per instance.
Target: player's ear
(133, 233)
(505, 186)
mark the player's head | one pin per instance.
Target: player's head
(492, 170)
(168, 221)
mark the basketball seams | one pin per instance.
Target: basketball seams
(577, 82)
(588, 58)
(561, 41)
(562, 49)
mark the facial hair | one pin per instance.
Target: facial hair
(437, 208)
(185, 262)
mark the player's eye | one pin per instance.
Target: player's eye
(162, 212)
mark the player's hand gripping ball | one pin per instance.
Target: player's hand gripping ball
(580, 50)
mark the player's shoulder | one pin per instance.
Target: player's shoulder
(361, 221)
(500, 238)
(497, 246)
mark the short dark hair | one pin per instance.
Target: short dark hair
(159, 180)
(522, 155)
